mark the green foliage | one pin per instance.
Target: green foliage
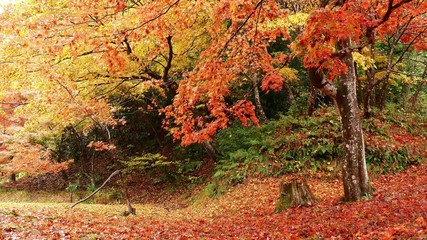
(286, 145)
(72, 187)
(164, 169)
(215, 189)
(91, 187)
(386, 161)
(146, 161)
(275, 103)
(108, 197)
(300, 144)
(299, 106)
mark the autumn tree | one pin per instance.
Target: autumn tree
(84, 62)
(333, 34)
(334, 31)
(78, 63)
(241, 32)
(83, 59)
(400, 37)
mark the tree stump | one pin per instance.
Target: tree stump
(293, 194)
(12, 177)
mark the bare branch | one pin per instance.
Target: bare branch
(97, 190)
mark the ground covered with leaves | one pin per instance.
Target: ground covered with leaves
(398, 209)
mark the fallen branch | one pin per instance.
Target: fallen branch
(97, 190)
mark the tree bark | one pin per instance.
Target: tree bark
(414, 98)
(311, 100)
(383, 95)
(405, 95)
(260, 110)
(370, 78)
(294, 194)
(12, 177)
(367, 111)
(210, 149)
(129, 208)
(291, 97)
(355, 174)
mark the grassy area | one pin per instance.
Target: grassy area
(7, 195)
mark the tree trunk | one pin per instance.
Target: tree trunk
(260, 111)
(294, 194)
(311, 100)
(12, 177)
(129, 208)
(291, 97)
(383, 95)
(414, 98)
(359, 87)
(209, 149)
(370, 78)
(367, 111)
(354, 171)
(405, 94)
(355, 174)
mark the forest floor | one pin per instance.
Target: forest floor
(398, 210)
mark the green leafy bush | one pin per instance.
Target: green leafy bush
(286, 145)
(292, 145)
(388, 161)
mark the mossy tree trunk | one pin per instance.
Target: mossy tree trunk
(293, 194)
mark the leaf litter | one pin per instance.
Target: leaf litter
(398, 209)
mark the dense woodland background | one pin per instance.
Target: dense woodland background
(192, 98)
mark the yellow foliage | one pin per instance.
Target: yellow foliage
(297, 20)
(395, 78)
(363, 61)
(293, 22)
(380, 61)
(289, 74)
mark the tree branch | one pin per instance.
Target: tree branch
(169, 59)
(238, 29)
(318, 81)
(98, 189)
(128, 48)
(154, 18)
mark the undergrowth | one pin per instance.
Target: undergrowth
(303, 145)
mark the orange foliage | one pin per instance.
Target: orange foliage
(101, 146)
(238, 48)
(78, 52)
(359, 21)
(31, 159)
